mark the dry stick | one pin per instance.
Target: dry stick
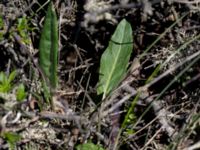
(68, 116)
(85, 93)
(196, 77)
(116, 93)
(50, 115)
(79, 120)
(143, 128)
(157, 132)
(79, 67)
(107, 101)
(118, 104)
(162, 114)
(91, 102)
(193, 147)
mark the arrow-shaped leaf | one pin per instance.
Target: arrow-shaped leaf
(48, 48)
(114, 61)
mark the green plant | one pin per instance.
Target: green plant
(23, 28)
(1, 22)
(48, 51)
(6, 87)
(114, 61)
(89, 146)
(1, 27)
(21, 93)
(11, 138)
(6, 81)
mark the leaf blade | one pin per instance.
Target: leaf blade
(114, 61)
(89, 146)
(48, 47)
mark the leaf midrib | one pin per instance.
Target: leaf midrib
(113, 68)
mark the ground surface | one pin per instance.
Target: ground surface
(166, 114)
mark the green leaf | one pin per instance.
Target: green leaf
(11, 138)
(6, 82)
(23, 27)
(114, 61)
(22, 24)
(4, 88)
(47, 92)
(21, 93)
(48, 47)
(12, 76)
(89, 146)
(1, 22)
(1, 28)
(3, 77)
